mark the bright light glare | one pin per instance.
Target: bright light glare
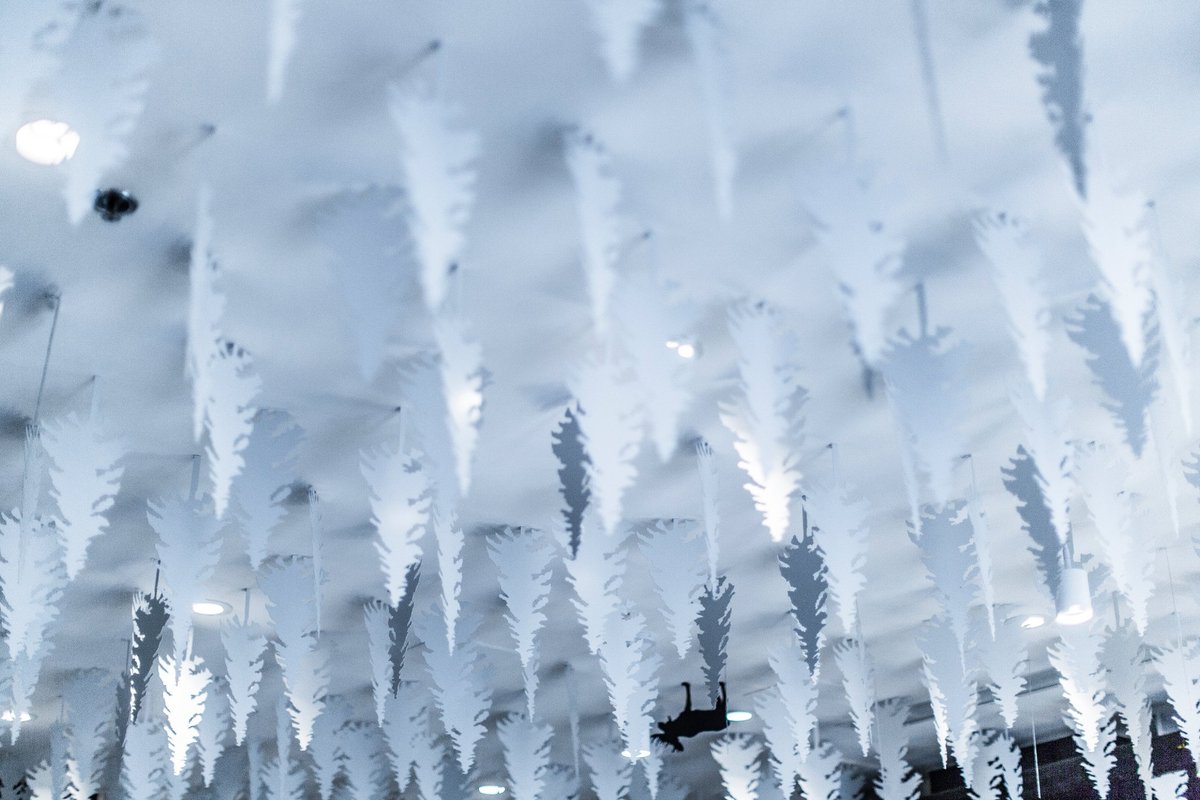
(210, 608)
(640, 754)
(686, 350)
(1033, 621)
(1075, 614)
(491, 789)
(672, 344)
(8, 716)
(46, 142)
(739, 716)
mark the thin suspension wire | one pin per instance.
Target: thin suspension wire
(1037, 769)
(37, 406)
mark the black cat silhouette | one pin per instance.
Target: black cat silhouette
(692, 721)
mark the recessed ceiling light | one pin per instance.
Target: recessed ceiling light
(640, 754)
(686, 350)
(491, 789)
(739, 716)
(46, 142)
(210, 608)
(8, 716)
(1033, 621)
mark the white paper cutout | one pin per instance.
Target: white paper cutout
(244, 652)
(1170, 785)
(738, 756)
(459, 684)
(630, 662)
(945, 543)
(90, 699)
(997, 765)
(821, 773)
(1076, 657)
(400, 506)
(838, 521)
(328, 757)
(144, 765)
(707, 466)
(798, 693)
(1176, 332)
(360, 742)
(713, 634)
(611, 772)
(803, 569)
(858, 679)
(39, 782)
(6, 274)
(185, 690)
(377, 618)
(461, 366)
(526, 755)
(1016, 272)
(206, 306)
(1123, 657)
(287, 584)
(285, 19)
(403, 720)
(619, 24)
(610, 417)
(1180, 668)
(779, 734)
(85, 477)
(230, 419)
(706, 38)
(1004, 658)
(60, 774)
(282, 777)
(212, 736)
(675, 559)
(430, 755)
(596, 574)
(188, 550)
(450, 540)
(1130, 560)
(953, 695)
(561, 782)
(260, 489)
(764, 417)
(524, 561)
(598, 195)
(437, 158)
(897, 780)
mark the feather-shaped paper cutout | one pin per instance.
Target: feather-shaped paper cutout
(325, 747)
(526, 748)
(144, 767)
(952, 694)
(858, 680)
(259, 490)
(360, 741)
(1179, 667)
(150, 618)
(459, 684)
(1076, 657)
(706, 38)
(560, 782)
(738, 757)
(1123, 656)
(287, 584)
(523, 560)
(88, 696)
(450, 541)
(764, 417)
(206, 306)
(245, 648)
(619, 24)
(1021, 478)
(378, 622)
(598, 195)
(400, 506)
(428, 766)
(188, 550)
(821, 773)
(1016, 272)
(802, 568)
(461, 364)
(610, 771)
(630, 662)
(896, 780)
(403, 721)
(797, 689)
(1004, 659)
(981, 552)
(610, 416)
(675, 558)
(401, 621)
(707, 467)
(185, 692)
(1130, 389)
(945, 544)
(839, 531)
(437, 158)
(101, 88)
(213, 734)
(1058, 50)
(780, 735)
(229, 418)
(596, 574)
(713, 634)
(85, 477)
(285, 19)
(567, 444)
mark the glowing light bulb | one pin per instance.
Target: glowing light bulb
(640, 754)
(210, 608)
(491, 789)
(9, 716)
(46, 142)
(686, 350)
(1033, 621)
(739, 716)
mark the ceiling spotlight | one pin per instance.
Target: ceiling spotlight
(46, 142)
(9, 716)
(672, 344)
(113, 204)
(210, 608)
(1033, 621)
(491, 789)
(1073, 601)
(640, 754)
(739, 716)
(686, 350)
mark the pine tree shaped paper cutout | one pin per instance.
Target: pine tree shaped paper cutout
(523, 560)
(713, 637)
(674, 556)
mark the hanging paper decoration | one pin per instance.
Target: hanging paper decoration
(981, 552)
(1022, 479)
(804, 571)
(32, 577)
(150, 618)
(674, 556)
(245, 648)
(1016, 272)
(230, 418)
(450, 541)
(1180, 670)
(897, 780)
(858, 679)
(738, 757)
(428, 766)
(765, 416)
(1059, 52)
(713, 636)
(596, 574)
(1118, 236)
(612, 772)
(377, 619)
(945, 543)
(1170, 785)
(797, 688)
(401, 621)
(360, 742)
(524, 561)
(400, 506)
(403, 719)
(285, 19)
(712, 510)
(60, 778)
(953, 694)
(85, 477)
(1130, 388)
(1076, 657)
(461, 366)
(459, 683)
(144, 764)
(839, 533)
(188, 550)
(282, 777)
(779, 733)
(260, 490)
(526, 748)
(567, 443)
(1004, 658)
(185, 692)
(619, 24)
(88, 696)
(610, 415)
(705, 33)
(39, 784)
(101, 88)
(305, 665)
(437, 158)
(924, 385)
(630, 662)
(1122, 656)
(821, 773)
(560, 782)
(1110, 508)
(997, 767)
(328, 756)
(1175, 328)
(206, 307)
(598, 195)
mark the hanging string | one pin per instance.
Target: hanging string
(37, 406)
(195, 485)
(1037, 769)
(246, 606)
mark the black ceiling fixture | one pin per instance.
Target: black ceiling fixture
(113, 204)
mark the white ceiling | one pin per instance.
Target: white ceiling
(522, 74)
